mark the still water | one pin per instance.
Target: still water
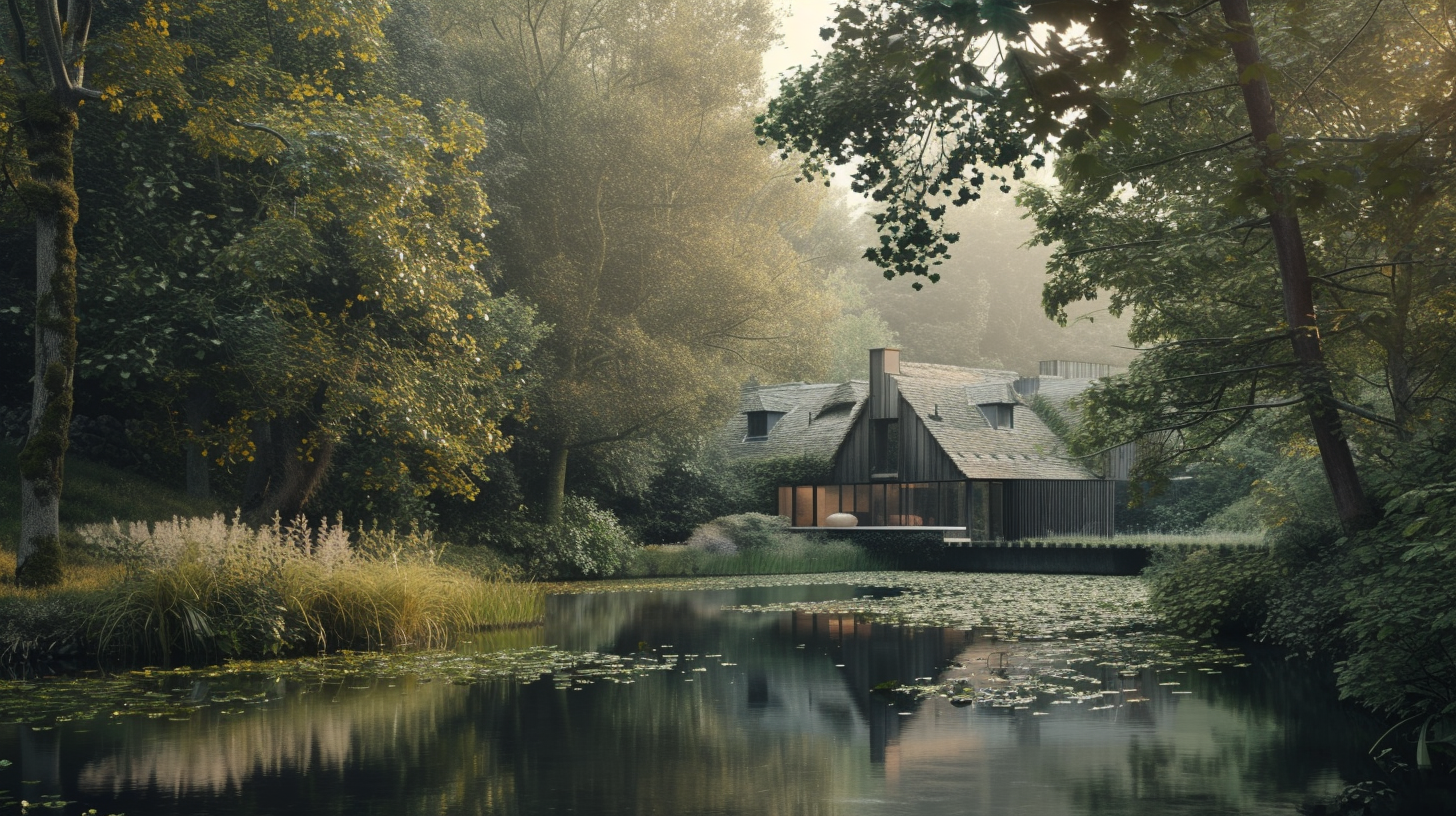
(709, 701)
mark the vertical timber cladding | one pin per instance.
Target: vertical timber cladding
(922, 459)
(884, 391)
(852, 460)
(1040, 507)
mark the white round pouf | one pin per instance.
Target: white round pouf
(841, 520)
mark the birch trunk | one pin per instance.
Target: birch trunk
(50, 194)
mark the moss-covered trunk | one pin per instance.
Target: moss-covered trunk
(50, 195)
(555, 499)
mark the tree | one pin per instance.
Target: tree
(931, 96)
(279, 227)
(46, 90)
(638, 214)
(1210, 323)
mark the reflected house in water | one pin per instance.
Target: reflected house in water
(935, 447)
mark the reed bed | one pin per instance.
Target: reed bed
(213, 587)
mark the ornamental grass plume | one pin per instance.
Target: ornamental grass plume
(216, 587)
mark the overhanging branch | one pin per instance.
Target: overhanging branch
(261, 129)
(1364, 413)
(1181, 156)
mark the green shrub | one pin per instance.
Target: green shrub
(1207, 592)
(589, 542)
(757, 480)
(745, 531)
(1397, 601)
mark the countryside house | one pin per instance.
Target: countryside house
(934, 447)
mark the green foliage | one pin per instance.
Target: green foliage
(643, 221)
(681, 496)
(1397, 600)
(1209, 592)
(38, 625)
(589, 542)
(756, 481)
(1048, 414)
(745, 531)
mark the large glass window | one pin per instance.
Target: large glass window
(985, 515)
(892, 504)
(827, 499)
(804, 507)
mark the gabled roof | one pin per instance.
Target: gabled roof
(1000, 393)
(1058, 392)
(1030, 450)
(816, 418)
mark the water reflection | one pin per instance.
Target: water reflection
(752, 713)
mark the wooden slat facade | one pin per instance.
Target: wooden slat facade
(1040, 507)
(1027, 508)
(884, 391)
(852, 462)
(922, 459)
(1119, 462)
(1073, 370)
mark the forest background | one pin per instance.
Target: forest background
(448, 263)
(498, 268)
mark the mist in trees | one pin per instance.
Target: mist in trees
(432, 261)
(985, 311)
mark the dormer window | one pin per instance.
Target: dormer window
(760, 423)
(1000, 416)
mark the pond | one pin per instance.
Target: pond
(996, 695)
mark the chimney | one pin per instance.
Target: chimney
(884, 393)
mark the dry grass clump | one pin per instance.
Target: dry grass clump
(213, 586)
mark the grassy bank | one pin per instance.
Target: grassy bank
(95, 494)
(209, 588)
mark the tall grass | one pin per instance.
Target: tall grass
(212, 587)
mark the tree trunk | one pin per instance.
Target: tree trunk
(50, 194)
(196, 408)
(294, 473)
(260, 470)
(556, 483)
(1334, 447)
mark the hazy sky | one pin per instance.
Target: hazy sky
(801, 22)
(998, 222)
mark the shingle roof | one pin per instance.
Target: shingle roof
(1058, 392)
(1030, 450)
(817, 416)
(1000, 393)
(946, 373)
